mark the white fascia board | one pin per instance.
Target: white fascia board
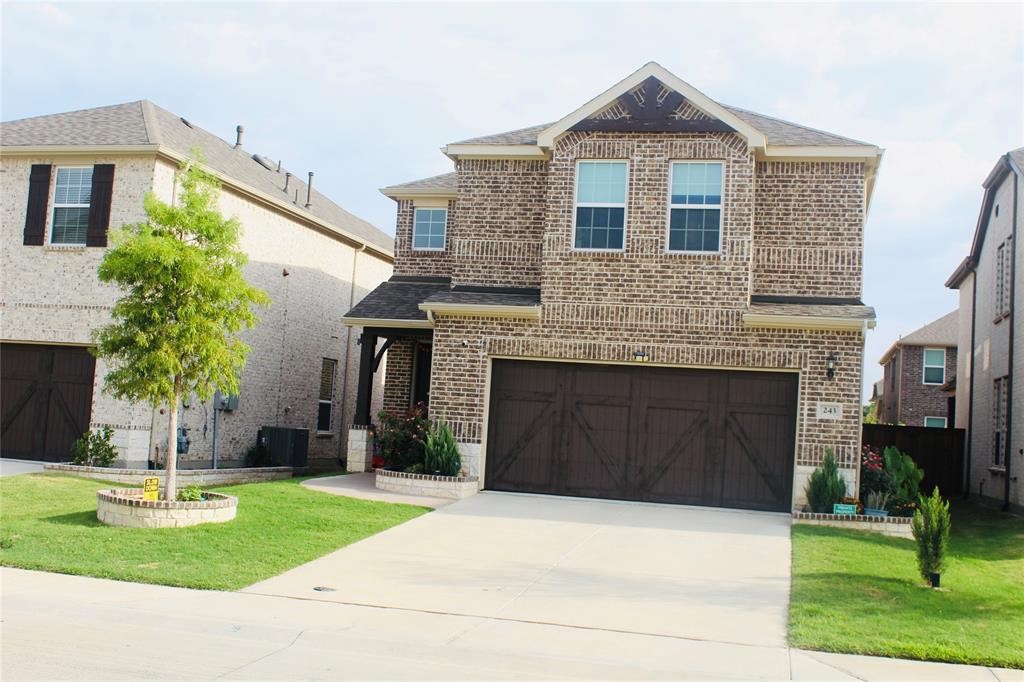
(482, 310)
(376, 322)
(806, 322)
(698, 99)
(78, 150)
(411, 193)
(494, 151)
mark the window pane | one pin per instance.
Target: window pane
(327, 378)
(694, 229)
(69, 225)
(599, 228)
(935, 358)
(601, 183)
(323, 417)
(935, 422)
(74, 186)
(934, 375)
(697, 183)
(429, 228)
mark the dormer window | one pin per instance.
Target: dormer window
(600, 223)
(428, 229)
(695, 207)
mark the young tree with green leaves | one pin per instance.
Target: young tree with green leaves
(184, 300)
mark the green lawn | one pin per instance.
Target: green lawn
(48, 523)
(860, 592)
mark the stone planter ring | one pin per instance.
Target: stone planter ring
(125, 507)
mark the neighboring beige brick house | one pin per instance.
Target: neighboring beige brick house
(990, 373)
(66, 178)
(917, 371)
(656, 298)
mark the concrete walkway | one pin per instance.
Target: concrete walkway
(362, 486)
(15, 467)
(68, 627)
(708, 574)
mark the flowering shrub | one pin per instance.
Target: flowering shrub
(402, 437)
(891, 472)
(872, 472)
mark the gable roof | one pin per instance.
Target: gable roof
(941, 333)
(442, 185)
(1010, 162)
(140, 125)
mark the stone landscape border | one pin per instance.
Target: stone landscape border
(125, 507)
(427, 485)
(201, 477)
(893, 526)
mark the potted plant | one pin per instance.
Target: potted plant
(875, 504)
(931, 532)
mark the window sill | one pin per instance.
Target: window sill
(997, 470)
(324, 434)
(65, 247)
(427, 252)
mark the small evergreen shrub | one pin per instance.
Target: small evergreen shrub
(190, 493)
(402, 437)
(825, 487)
(94, 449)
(931, 532)
(441, 454)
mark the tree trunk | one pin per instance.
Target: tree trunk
(171, 485)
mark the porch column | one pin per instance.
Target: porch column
(364, 389)
(360, 444)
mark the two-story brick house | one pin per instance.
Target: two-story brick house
(66, 179)
(990, 384)
(917, 369)
(656, 298)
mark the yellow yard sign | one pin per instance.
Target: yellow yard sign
(150, 488)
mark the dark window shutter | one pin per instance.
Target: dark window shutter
(99, 204)
(38, 200)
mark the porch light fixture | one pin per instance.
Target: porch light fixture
(830, 366)
(641, 355)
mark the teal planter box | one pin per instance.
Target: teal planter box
(881, 513)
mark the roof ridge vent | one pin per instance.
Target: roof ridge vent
(263, 161)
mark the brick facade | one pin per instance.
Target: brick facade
(917, 399)
(791, 228)
(51, 295)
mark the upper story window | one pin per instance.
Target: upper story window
(600, 205)
(695, 206)
(72, 193)
(1003, 271)
(934, 366)
(428, 229)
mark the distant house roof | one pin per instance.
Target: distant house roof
(1010, 162)
(142, 123)
(942, 333)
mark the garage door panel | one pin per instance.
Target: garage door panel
(46, 399)
(660, 434)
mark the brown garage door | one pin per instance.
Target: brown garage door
(656, 434)
(45, 400)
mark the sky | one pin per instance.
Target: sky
(365, 95)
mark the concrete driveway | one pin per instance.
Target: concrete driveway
(684, 572)
(14, 467)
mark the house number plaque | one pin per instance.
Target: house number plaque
(830, 411)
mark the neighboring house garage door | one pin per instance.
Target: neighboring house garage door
(46, 400)
(656, 434)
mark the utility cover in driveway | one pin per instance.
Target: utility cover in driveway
(656, 434)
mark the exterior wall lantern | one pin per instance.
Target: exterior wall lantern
(641, 355)
(830, 366)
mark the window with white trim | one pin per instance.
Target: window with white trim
(1003, 271)
(999, 407)
(695, 206)
(72, 194)
(934, 366)
(935, 422)
(325, 407)
(428, 229)
(600, 215)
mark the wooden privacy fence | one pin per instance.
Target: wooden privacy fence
(940, 452)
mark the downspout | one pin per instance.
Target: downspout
(342, 441)
(970, 402)
(1007, 460)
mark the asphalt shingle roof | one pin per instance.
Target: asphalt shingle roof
(943, 332)
(397, 300)
(142, 123)
(525, 297)
(443, 181)
(842, 312)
